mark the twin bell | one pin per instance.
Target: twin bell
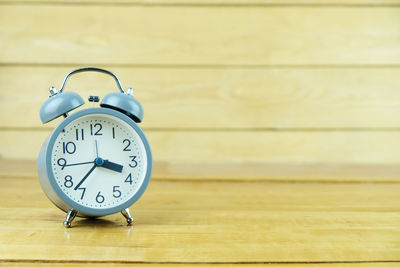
(60, 102)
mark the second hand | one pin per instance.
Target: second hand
(80, 163)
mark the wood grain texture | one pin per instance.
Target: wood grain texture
(199, 36)
(179, 98)
(244, 171)
(244, 3)
(112, 264)
(246, 147)
(273, 126)
(273, 156)
(211, 222)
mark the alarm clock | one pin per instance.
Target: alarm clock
(97, 161)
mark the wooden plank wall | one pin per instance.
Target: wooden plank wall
(292, 90)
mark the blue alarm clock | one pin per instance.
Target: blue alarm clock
(97, 161)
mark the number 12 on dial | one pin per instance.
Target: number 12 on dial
(97, 162)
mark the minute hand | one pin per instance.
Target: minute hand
(86, 176)
(112, 166)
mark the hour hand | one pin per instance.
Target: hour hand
(112, 166)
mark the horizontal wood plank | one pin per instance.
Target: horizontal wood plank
(112, 264)
(305, 237)
(279, 156)
(275, 91)
(245, 171)
(247, 147)
(376, 3)
(180, 98)
(253, 196)
(211, 222)
(198, 36)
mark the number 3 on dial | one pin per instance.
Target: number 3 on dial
(93, 171)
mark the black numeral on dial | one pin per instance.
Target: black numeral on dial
(83, 191)
(62, 163)
(134, 164)
(68, 181)
(116, 192)
(69, 147)
(128, 143)
(80, 134)
(129, 179)
(99, 198)
(96, 129)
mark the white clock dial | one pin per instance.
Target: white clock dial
(99, 161)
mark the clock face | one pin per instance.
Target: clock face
(99, 161)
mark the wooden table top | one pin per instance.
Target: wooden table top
(274, 127)
(209, 222)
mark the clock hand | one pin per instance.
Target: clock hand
(112, 166)
(80, 163)
(86, 176)
(97, 150)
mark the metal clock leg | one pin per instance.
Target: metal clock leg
(127, 215)
(70, 217)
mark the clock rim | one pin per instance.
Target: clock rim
(60, 195)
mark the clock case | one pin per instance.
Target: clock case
(121, 105)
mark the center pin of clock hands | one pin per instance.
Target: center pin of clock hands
(106, 163)
(98, 162)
